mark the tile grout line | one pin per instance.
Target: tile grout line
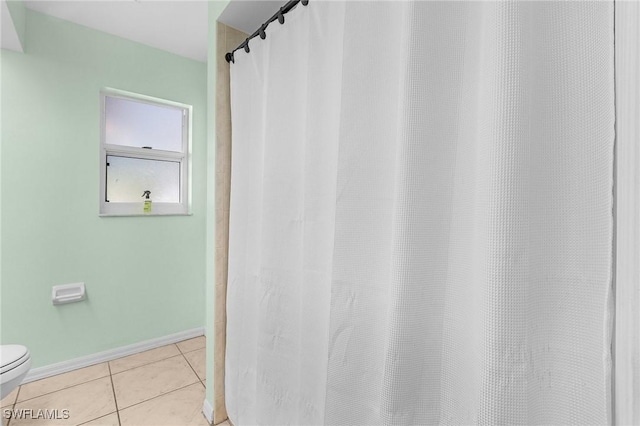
(15, 401)
(115, 399)
(192, 350)
(97, 418)
(193, 369)
(148, 362)
(158, 396)
(13, 406)
(57, 390)
(188, 352)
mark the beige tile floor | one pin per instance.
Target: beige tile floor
(162, 386)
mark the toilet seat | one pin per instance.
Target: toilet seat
(12, 356)
(15, 362)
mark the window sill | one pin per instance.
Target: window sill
(142, 214)
(137, 209)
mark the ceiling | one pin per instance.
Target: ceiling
(177, 26)
(9, 32)
(248, 15)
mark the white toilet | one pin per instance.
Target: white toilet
(15, 362)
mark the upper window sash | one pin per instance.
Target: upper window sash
(133, 123)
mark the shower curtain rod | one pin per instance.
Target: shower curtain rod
(279, 15)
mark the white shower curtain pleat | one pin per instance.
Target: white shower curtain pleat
(421, 216)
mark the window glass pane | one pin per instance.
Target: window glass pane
(128, 178)
(139, 124)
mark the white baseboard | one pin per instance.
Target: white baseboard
(85, 361)
(207, 410)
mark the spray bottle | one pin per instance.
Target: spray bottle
(147, 201)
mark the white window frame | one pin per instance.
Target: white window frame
(184, 158)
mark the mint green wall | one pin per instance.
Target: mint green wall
(145, 276)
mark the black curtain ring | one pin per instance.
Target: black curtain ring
(304, 2)
(246, 46)
(263, 35)
(280, 16)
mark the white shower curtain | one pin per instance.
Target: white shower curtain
(421, 216)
